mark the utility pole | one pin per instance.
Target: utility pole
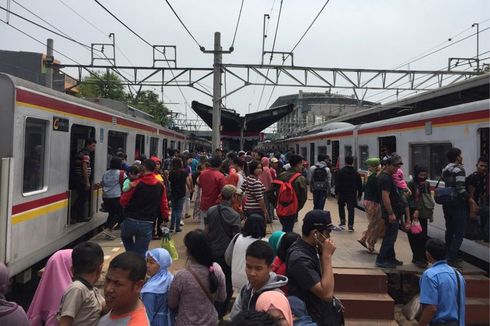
(218, 57)
(477, 46)
(217, 70)
(49, 63)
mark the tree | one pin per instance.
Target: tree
(149, 102)
(106, 85)
(109, 85)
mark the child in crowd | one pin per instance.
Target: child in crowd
(258, 266)
(155, 291)
(55, 280)
(134, 173)
(123, 283)
(82, 304)
(400, 183)
(275, 304)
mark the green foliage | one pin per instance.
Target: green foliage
(110, 86)
(148, 101)
(106, 85)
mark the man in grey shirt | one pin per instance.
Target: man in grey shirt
(222, 222)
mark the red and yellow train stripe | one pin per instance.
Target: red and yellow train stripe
(35, 208)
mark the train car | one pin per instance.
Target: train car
(421, 138)
(42, 130)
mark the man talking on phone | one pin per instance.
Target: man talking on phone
(309, 266)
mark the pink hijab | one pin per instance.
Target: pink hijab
(265, 177)
(55, 280)
(275, 300)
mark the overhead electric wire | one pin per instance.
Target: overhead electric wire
(96, 28)
(181, 22)
(44, 27)
(237, 24)
(296, 45)
(149, 44)
(56, 51)
(272, 54)
(85, 46)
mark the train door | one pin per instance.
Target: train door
(335, 153)
(116, 144)
(386, 145)
(484, 141)
(154, 146)
(312, 153)
(81, 208)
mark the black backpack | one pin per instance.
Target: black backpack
(319, 179)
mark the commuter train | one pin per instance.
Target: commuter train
(421, 138)
(42, 130)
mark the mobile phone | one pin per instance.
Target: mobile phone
(316, 237)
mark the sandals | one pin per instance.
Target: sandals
(363, 243)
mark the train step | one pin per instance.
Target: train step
(367, 305)
(360, 280)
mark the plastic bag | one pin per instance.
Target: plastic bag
(412, 310)
(169, 245)
(416, 228)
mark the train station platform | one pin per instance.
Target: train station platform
(362, 287)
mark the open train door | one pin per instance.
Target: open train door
(6, 181)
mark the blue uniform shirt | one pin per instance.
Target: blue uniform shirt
(438, 286)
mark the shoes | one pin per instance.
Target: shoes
(363, 243)
(351, 228)
(178, 230)
(342, 224)
(386, 265)
(398, 262)
(181, 223)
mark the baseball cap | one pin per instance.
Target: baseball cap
(274, 160)
(372, 161)
(317, 219)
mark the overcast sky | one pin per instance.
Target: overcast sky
(377, 34)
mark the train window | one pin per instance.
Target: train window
(116, 144)
(303, 152)
(179, 146)
(347, 150)
(312, 153)
(164, 148)
(432, 156)
(139, 147)
(34, 154)
(363, 156)
(154, 146)
(172, 144)
(484, 141)
(387, 145)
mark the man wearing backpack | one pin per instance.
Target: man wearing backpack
(456, 212)
(348, 188)
(290, 191)
(320, 181)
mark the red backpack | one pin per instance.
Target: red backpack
(287, 200)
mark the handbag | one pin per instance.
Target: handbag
(416, 228)
(446, 195)
(333, 313)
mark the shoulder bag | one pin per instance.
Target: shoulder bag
(203, 288)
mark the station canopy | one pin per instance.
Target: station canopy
(232, 123)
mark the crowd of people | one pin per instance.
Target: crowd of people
(283, 278)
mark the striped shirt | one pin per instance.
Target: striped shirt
(254, 192)
(454, 175)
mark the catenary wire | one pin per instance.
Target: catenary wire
(149, 44)
(182, 23)
(237, 24)
(96, 28)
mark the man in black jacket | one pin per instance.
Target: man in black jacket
(348, 188)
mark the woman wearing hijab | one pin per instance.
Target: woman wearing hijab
(155, 291)
(275, 304)
(10, 312)
(56, 278)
